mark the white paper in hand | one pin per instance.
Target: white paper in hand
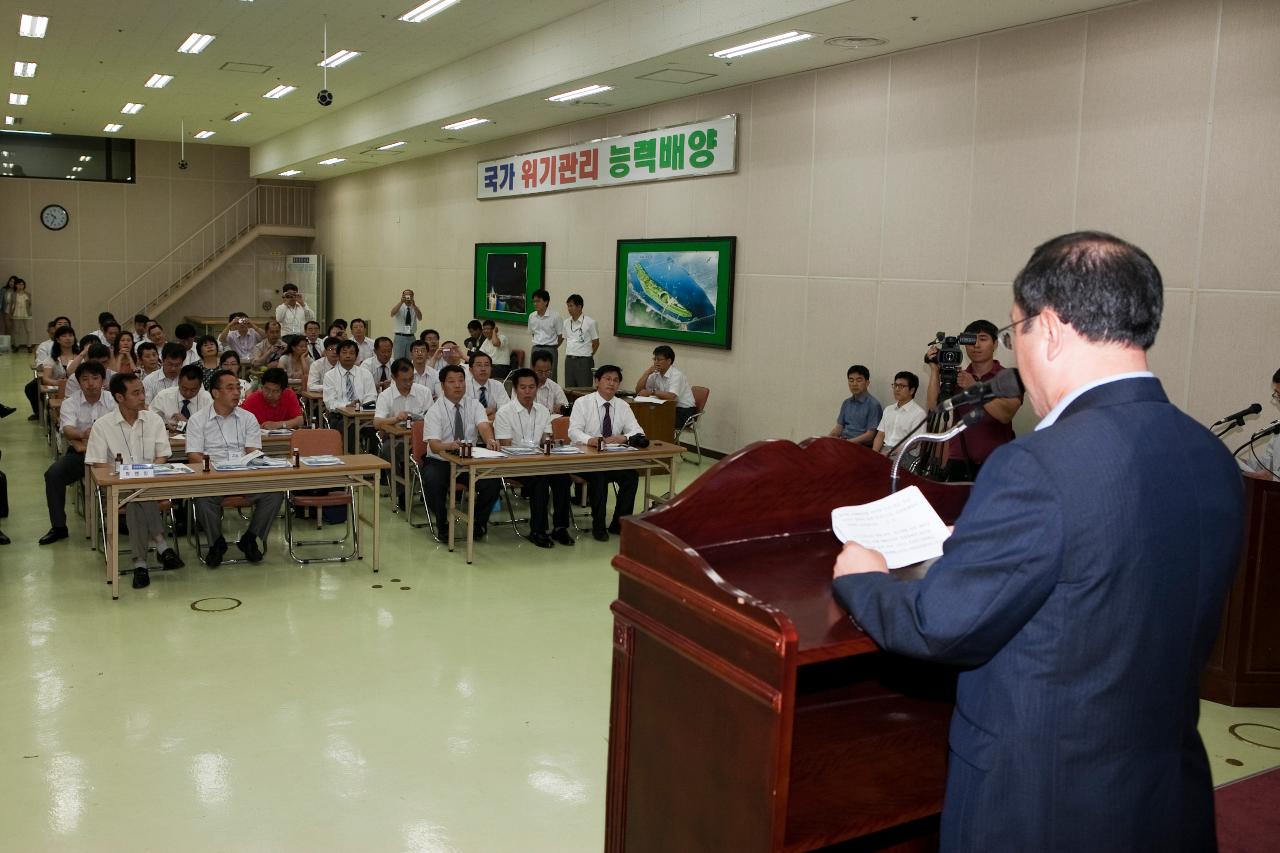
(903, 527)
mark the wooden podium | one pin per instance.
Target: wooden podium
(748, 712)
(1244, 667)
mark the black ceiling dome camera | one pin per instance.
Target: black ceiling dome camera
(324, 97)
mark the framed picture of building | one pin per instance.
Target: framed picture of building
(506, 275)
(676, 290)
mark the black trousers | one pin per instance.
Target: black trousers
(65, 470)
(553, 488)
(435, 480)
(598, 494)
(683, 415)
(32, 390)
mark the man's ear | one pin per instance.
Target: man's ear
(1053, 332)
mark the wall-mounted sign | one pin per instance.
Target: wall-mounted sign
(686, 151)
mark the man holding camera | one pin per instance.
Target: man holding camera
(963, 456)
(405, 327)
(293, 313)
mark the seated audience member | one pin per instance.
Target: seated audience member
(230, 360)
(136, 437)
(523, 422)
(1269, 458)
(602, 414)
(104, 319)
(337, 329)
(407, 314)
(315, 345)
(480, 387)
(453, 418)
(155, 334)
(241, 335)
(172, 359)
(665, 381)
(322, 365)
(400, 402)
(296, 362)
(496, 347)
(966, 453)
(148, 358)
(359, 333)
(62, 352)
(349, 387)
(187, 335)
(140, 322)
(225, 432)
(903, 418)
(176, 405)
(274, 404)
(379, 366)
(434, 357)
(122, 357)
(550, 394)
(423, 373)
(860, 414)
(32, 388)
(269, 350)
(582, 339)
(43, 348)
(474, 339)
(76, 419)
(208, 351)
(94, 352)
(111, 331)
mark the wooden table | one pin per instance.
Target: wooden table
(312, 400)
(360, 471)
(661, 455)
(352, 421)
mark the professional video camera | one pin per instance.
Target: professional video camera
(949, 358)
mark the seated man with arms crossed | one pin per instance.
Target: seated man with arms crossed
(274, 404)
(177, 405)
(523, 422)
(480, 387)
(403, 401)
(226, 432)
(76, 418)
(455, 417)
(550, 394)
(859, 414)
(901, 419)
(137, 436)
(601, 414)
(665, 381)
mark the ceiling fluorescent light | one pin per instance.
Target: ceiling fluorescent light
(77, 168)
(580, 93)
(9, 120)
(279, 92)
(85, 158)
(112, 128)
(418, 14)
(32, 132)
(338, 58)
(332, 161)
(762, 44)
(465, 123)
(289, 173)
(24, 69)
(18, 99)
(205, 134)
(195, 43)
(158, 81)
(131, 108)
(390, 145)
(33, 26)
(238, 116)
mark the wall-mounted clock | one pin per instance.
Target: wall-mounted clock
(54, 217)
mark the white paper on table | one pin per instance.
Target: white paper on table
(643, 399)
(903, 527)
(486, 453)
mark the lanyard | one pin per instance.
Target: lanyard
(133, 457)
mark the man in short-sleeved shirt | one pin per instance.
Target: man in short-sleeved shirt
(903, 418)
(550, 394)
(860, 414)
(274, 404)
(76, 418)
(453, 418)
(545, 327)
(581, 340)
(665, 381)
(523, 422)
(603, 415)
(293, 313)
(480, 387)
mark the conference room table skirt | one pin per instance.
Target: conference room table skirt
(360, 471)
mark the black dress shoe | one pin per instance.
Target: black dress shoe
(615, 528)
(4, 540)
(141, 577)
(562, 536)
(481, 531)
(54, 534)
(600, 535)
(249, 545)
(5, 411)
(170, 560)
(213, 557)
(542, 540)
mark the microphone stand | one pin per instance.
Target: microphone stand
(1262, 433)
(1231, 424)
(971, 417)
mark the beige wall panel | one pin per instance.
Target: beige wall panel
(55, 289)
(199, 159)
(848, 169)
(230, 163)
(1172, 351)
(57, 245)
(926, 210)
(597, 220)
(723, 201)
(227, 193)
(781, 177)
(1146, 101)
(99, 280)
(152, 159)
(16, 219)
(908, 315)
(672, 113)
(102, 221)
(1025, 144)
(631, 121)
(839, 330)
(1228, 369)
(191, 206)
(1242, 205)
(670, 208)
(768, 315)
(147, 221)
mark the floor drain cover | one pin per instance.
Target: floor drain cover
(215, 605)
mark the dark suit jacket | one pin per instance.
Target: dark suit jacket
(1082, 589)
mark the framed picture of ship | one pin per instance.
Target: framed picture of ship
(506, 275)
(676, 290)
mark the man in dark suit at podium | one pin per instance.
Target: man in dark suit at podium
(1082, 587)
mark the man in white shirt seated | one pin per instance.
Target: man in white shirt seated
(379, 366)
(186, 335)
(902, 419)
(349, 387)
(75, 419)
(176, 405)
(137, 437)
(524, 422)
(293, 312)
(423, 373)
(327, 361)
(241, 335)
(453, 418)
(488, 392)
(602, 414)
(359, 329)
(315, 346)
(172, 358)
(403, 401)
(497, 348)
(550, 394)
(225, 432)
(665, 381)
(271, 349)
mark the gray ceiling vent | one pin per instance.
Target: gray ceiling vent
(245, 67)
(676, 75)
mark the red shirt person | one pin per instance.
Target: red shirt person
(274, 404)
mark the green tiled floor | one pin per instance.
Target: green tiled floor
(468, 712)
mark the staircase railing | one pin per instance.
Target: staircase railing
(264, 204)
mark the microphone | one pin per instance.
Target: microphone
(1266, 431)
(1006, 383)
(1239, 416)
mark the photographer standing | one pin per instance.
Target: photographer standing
(963, 456)
(407, 314)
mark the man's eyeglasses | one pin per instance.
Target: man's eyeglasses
(1005, 336)
(900, 385)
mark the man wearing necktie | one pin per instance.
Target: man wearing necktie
(176, 405)
(379, 366)
(348, 387)
(487, 391)
(453, 418)
(315, 346)
(405, 327)
(602, 415)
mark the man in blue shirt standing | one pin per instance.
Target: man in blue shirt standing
(860, 414)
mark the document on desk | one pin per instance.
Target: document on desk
(515, 450)
(486, 453)
(614, 448)
(252, 459)
(903, 527)
(566, 450)
(277, 432)
(321, 460)
(643, 399)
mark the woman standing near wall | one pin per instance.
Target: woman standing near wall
(6, 302)
(20, 316)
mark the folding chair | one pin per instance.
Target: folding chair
(317, 442)
(700, 394)
(236, 502)
(560, 432)
(418, 491)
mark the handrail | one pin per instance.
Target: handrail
(263, 204)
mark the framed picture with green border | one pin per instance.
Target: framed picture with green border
(676, 290)
(506, 275)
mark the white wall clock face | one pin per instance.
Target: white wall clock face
(54, 217)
